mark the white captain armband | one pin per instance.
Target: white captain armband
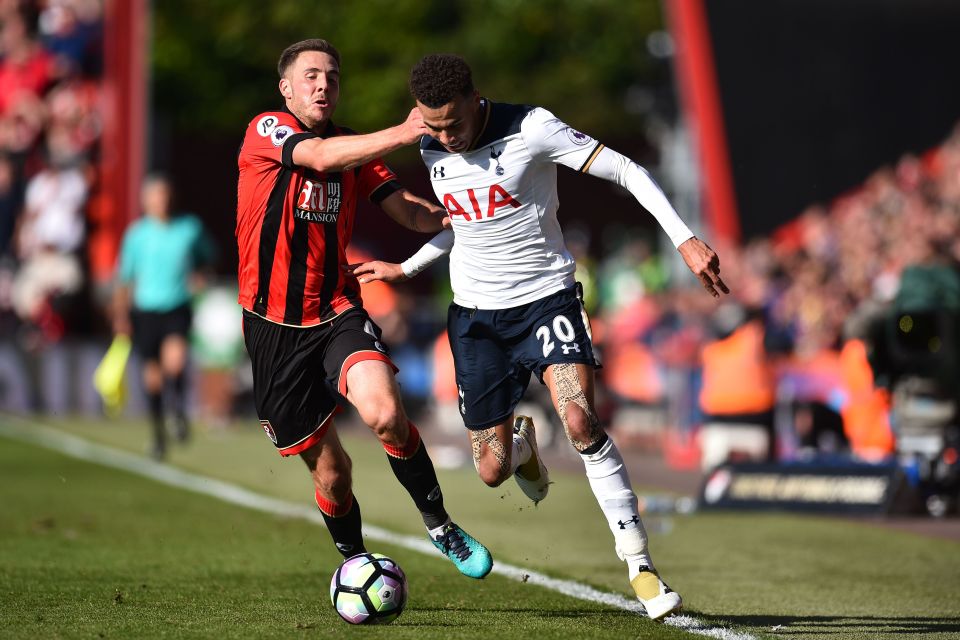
(438, 246)
(616, 167)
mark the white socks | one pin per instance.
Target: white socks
(611, 485)
(437, 531)
(519, 453)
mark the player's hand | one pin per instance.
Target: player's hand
(375, 270)
(704, 263)
(446, 223)
(413, 128)
(121, 325)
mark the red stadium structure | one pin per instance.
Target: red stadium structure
(701, 102)
(124, 117)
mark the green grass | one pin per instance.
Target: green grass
(73, 535)
(87, 551)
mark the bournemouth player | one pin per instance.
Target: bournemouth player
(309, 339)
(516, 308)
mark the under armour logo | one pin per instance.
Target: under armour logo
(345, 548)
(438, 172)
(567, 348)
(434, 495)
(633, 520)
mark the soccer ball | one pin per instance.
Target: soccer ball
(369, 588)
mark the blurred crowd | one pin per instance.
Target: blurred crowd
(795, 361)
(50, 126)
(829, 289)
(802, 347)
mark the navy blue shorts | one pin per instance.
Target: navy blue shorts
(495, 351)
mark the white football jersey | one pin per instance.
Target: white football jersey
(502, 199)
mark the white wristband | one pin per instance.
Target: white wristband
(438, 246)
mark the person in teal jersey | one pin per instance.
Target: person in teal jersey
(161, 257)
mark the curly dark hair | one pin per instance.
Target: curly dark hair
(314, 44)
(439, 78)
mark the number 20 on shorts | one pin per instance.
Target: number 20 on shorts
(562, 329)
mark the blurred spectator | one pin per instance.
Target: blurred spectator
(20, 132)
(217, 352)
(70, 31)
(739, 391)
(49, 237)
(26, 69)
(866, 407)
(53, 216)
(9, 203)
(814, 377)
(631, 271)
(73, 112)
(635, 382)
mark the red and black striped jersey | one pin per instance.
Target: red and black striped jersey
(294, 223)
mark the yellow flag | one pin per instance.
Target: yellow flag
(108, 377)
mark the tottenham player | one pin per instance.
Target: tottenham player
(516, 306)
(309, 339)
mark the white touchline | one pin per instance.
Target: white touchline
(107, 456)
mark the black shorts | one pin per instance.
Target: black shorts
(494, 351)
(300, 373)
(150, 328)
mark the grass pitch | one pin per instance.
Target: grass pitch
(87, 551)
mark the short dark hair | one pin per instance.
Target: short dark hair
(155, 177)
(439, 78)
(313, 44)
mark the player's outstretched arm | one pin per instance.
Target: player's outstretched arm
(415, 213)
(340, 153)
(700, 258)
(438, 246)
(617, 168)
(120, 310)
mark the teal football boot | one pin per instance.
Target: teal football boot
(470, 557)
